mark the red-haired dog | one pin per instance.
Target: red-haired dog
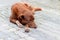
(23, 13)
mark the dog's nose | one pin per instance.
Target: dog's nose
(35, 27)
(27, 30)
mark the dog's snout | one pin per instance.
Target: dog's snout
(35, 27)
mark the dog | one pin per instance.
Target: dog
(23, 14)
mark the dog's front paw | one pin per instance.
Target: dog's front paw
(27, 30)
(19, 25)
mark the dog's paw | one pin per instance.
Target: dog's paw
(21, 26)
(27, 30)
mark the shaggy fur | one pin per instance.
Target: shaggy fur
(23, 13)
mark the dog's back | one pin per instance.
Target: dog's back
(19, 7)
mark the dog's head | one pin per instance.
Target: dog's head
(27, 19)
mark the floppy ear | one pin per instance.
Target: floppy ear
(21, 17)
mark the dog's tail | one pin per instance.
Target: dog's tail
(37, 9)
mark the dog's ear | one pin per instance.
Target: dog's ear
(22, 16)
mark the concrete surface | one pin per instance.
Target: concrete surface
(47, 20)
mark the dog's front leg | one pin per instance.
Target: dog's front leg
(15, 21)
(27, 28)
(19, 24)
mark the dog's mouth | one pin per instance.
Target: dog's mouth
(24, 24)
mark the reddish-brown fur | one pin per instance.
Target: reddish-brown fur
(24, 14)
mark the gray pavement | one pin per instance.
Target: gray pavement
(47, 20)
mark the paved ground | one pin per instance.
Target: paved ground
(47, 20)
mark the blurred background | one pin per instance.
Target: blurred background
(47, 20)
